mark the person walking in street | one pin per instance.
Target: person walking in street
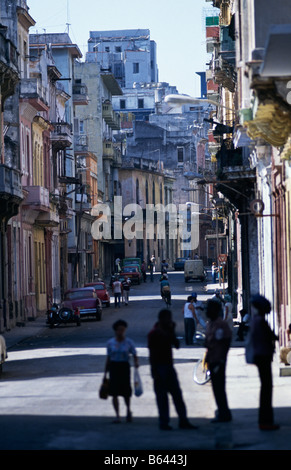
(190, 320)
(125, 289)
(117, 291)
(217, 342)
(151, 266)
(144, 271)
(214, 272)
(161, 339)
(119, 350)
(262, 340)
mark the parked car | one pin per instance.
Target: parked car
(179, 264)
(102, 291)
(132, 272)
(86, 300)
(194, 269)
(131, 262)
(3, 352)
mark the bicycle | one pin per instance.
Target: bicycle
(201, 374)
(166, 296)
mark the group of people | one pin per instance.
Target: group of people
(120, 290)
(162, 338)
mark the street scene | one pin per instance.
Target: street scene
(50, 384)
(145, 227)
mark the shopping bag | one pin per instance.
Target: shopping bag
(104, 389)
(138, 390)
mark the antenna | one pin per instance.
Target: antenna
(68, 18)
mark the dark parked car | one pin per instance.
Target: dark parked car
(101, 291)
(179, 264)
(86, 300)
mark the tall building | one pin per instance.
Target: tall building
(129, 54)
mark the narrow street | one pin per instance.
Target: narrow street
(49, 389)
(49, 386)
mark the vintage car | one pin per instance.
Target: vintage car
(132, 272)
(102, 291)
(86, 300)
(179, 264)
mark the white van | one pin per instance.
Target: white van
(194, 269)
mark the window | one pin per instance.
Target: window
(122, 104)
(107, 49)
(180, 154)
(135, 67)
(140, 104)
(117, 49)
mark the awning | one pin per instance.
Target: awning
(277, 61)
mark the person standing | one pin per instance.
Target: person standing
(262, 339)
(228, 315)
(190, 320)
(161, 339)
(198, 310)
(126, 288)
(119, 350)
(144, 271)
(217, 342)
(213, 272)
(117, 291)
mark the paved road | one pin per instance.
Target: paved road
(49, 389)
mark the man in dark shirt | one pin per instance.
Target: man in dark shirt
(217, 342)
(160, 341)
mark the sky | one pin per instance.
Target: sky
(178, 28)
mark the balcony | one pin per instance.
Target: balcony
(10, 192)
(37, 198)
(80, 94)
(31, 90)
(108, 150)
(10, 183)
(83, 202)
(111, 118)
(8, 64)
(81, 143)
(61, 136)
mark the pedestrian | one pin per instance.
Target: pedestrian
(213, 272)
(117, 265)
(190, 320)
(151, 266)
(117, 291)
(217, 342)
(218, 296)
(126, 288)
(244, 324)
(153, 260)
(262, 341)
(164, 266)
(284, 352)
(119, 350)
(144, 271)
(198, 310)
(228, 314)
(161, 339)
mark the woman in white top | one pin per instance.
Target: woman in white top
(228, 315)
(190, 320)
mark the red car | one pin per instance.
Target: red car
(132, 272)
(102, 292)
(86, 300)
